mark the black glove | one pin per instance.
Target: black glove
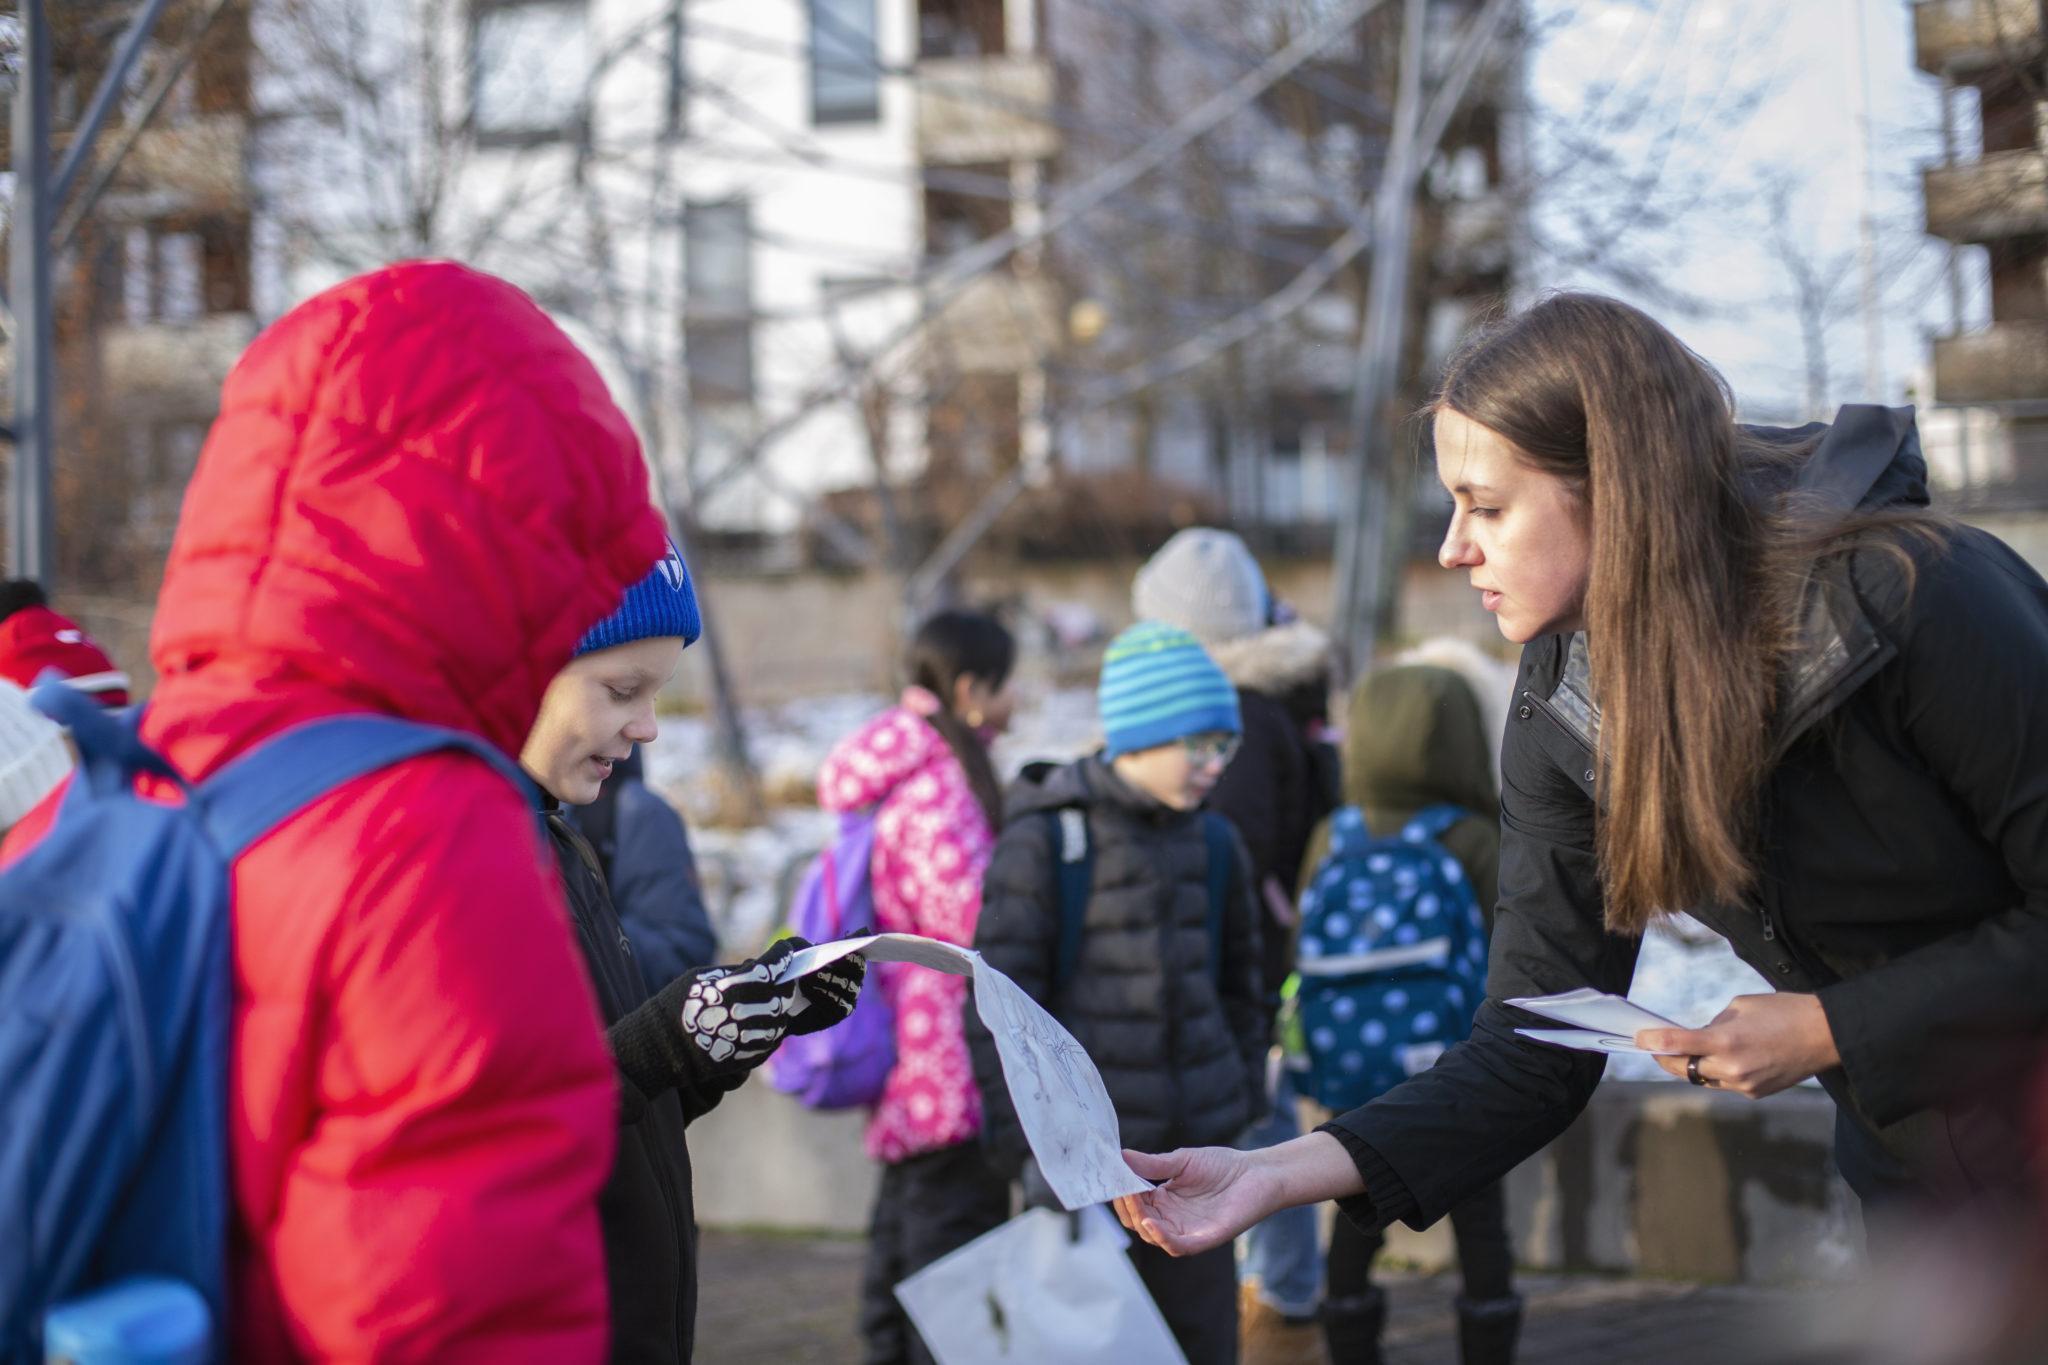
(737, 1015)
(829, 994)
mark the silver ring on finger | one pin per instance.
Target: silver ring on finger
(1692, 1072)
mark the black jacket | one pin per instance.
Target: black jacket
(1904, 878)
(649, 1224)
(1181, 1046)
(644, 849)
(1281, 783)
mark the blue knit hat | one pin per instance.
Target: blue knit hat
(663, 603)
(1159, 685)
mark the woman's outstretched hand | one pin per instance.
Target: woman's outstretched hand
(1208, 1195)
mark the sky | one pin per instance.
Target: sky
(1705, 104)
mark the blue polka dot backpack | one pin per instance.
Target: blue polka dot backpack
(1392, 959)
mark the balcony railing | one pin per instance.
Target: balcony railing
(2007, 362)
(983, 109)
(1967, 37)
(2001, 195)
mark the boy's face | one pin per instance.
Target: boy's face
(595, 711)
(1180, 774)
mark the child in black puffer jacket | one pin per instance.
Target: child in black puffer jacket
(1161, 984)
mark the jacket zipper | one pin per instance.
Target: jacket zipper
(1170, 979)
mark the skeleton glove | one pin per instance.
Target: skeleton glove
(829, 994)
(736, 1015)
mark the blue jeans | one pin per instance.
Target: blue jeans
(1285, 1252)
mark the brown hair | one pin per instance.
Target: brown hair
(949, 646)
(1694, 584)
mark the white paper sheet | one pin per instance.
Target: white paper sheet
(1031, 1292)
(1065, 1109)
(1600, 1022)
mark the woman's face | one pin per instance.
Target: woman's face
(1518, 532)
(594, 712)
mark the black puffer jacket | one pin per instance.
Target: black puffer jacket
(1181, 1046)
(645, 1208)
(1904, 880)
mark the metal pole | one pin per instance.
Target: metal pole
(1866, 227)
(1361, 551)
(30, 507)
(1954, 268)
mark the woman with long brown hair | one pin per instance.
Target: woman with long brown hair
(1762, 684)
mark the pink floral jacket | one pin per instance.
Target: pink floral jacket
(932, 844)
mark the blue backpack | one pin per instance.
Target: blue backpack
(1391, 965)
(114, 1005)
(847, 1065)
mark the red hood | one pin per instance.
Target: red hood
(417, 497)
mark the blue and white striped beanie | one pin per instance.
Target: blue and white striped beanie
(663, 603)
(1159, 685)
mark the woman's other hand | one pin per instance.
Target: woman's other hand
(1759, 1045)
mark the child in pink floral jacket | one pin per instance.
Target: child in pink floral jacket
(924, 767)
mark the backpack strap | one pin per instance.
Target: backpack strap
(1075, 868)
(1349, 833)
(1222, 873)
(252, 795)
(1430, 823)
(111, 751)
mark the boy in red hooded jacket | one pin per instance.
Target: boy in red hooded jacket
(416, 499)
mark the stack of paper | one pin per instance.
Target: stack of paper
(1599, 1022)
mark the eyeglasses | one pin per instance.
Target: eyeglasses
(1213, 748)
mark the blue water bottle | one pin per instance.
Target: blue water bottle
(146, 1320)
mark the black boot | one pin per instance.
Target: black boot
(1352, 1327)
(1487, 1329)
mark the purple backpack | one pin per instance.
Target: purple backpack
(847, 1064)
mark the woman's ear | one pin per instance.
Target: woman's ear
(962, 700)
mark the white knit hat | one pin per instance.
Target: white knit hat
(1206, 582)
(33, 755)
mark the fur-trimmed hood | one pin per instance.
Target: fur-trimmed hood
(1276, 660)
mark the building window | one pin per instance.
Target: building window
(846, 76)
(718, 304)
(529, 62)
(960, 28)
(181, 270)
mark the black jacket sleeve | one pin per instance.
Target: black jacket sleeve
(1968, 689)
(1017, 934)
(653, 1055)
(1497, 1098)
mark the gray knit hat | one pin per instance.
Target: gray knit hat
(1206, 582)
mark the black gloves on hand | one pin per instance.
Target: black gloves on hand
(736, 1015)
(829, 994)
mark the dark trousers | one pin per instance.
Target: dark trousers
(927, 1206)
(1485, 1259)
(1198, 1297)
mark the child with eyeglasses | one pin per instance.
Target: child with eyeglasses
(1126, 910)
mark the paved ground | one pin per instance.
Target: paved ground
(779, 1298)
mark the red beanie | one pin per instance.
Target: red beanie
(36, 639)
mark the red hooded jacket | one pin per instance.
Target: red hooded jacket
(417, 497)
